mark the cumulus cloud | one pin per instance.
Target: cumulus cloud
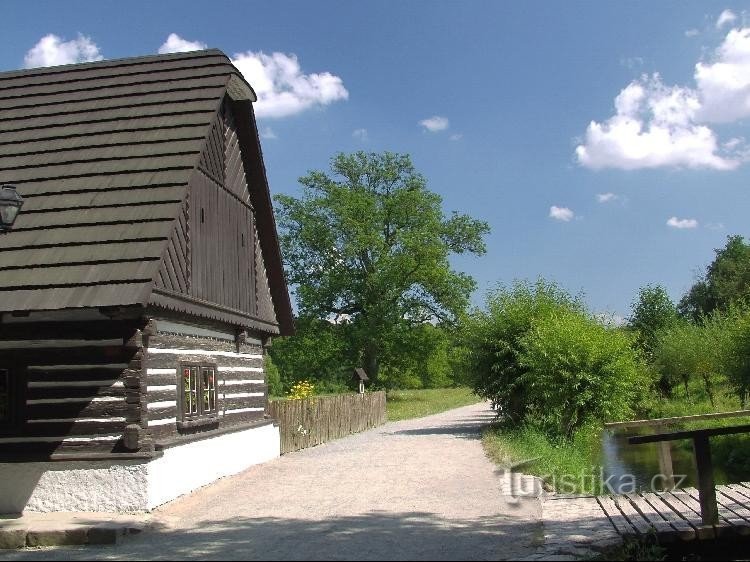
(674, 222)
(52, 50)
(723, 84)
(435, 123)
(692, 32)
(656, 125)
(360, 134)
(605, 197)
(282, 88)
(725, 17)
(561, 213)
(176, 44)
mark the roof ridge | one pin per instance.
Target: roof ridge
(126, 61)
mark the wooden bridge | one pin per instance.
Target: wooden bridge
(707, 512)
(676, 514)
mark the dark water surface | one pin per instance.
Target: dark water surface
(628, 465)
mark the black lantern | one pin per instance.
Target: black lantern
(10, 204)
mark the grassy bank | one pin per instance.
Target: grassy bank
(574, 465)
(407, 404)
(568, 467)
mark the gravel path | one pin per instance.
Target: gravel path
(410, 490)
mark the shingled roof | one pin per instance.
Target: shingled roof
(102, 154)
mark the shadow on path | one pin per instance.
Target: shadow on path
(374, 536)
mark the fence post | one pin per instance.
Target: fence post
(706, 484)
(666, 466)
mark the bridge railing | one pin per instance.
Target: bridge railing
(701, 451)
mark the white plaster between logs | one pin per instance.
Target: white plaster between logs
(130, 486)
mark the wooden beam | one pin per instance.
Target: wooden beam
(706, 484)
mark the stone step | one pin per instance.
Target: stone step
(66, 529)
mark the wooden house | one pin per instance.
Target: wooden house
(139, 285)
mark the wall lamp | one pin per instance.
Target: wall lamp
(10, 204)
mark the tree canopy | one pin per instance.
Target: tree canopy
(726, 281)
(368, 243)
(652, 312)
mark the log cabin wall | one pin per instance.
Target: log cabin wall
(241, 384)
(72, 390)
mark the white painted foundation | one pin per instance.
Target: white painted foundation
(188, 467)
(131, 486)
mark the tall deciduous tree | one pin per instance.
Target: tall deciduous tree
(368, 241)
(653, 311)
(726, 282)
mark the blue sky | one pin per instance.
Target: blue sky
(515, 88)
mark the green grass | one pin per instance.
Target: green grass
(566, 466)
(407, 404)
(573, 466)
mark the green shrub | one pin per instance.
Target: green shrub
(491, 341)
(730, 337)
(542, 359)
(273, 378)
(578, 371)
(706, 352)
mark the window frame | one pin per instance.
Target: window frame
(203, 415)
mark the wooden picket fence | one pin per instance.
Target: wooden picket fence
(312, 421)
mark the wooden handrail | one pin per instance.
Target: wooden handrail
(676, 420)
(703, 463)
(677, 435)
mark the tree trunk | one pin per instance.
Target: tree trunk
(709, 389)
(372, 365)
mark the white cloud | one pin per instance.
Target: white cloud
(653, 127)
(360, 134)
(715, 226)
(282, 88)
(268, 133)
(605, 197)
(674, 222)
(656, 125)
(176, 44)
(561, 213)
(727, 16)
(51, 50)
(692, 33)
(724, 84)
(456, 137)
(435, 123)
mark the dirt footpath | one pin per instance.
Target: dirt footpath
(410, 490)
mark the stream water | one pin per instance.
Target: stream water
(628, 468)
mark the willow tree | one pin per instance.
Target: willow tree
(367, 242)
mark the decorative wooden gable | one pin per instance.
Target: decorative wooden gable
(214, 254)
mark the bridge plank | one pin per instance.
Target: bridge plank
(636, 519)
(615, 516)
(651, 515)
(689, 508)
(662, 503)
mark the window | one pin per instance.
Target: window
(198, 395)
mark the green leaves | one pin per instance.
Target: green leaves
(542, 358)
(726, 282)
(369, 240)
(578, 370)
